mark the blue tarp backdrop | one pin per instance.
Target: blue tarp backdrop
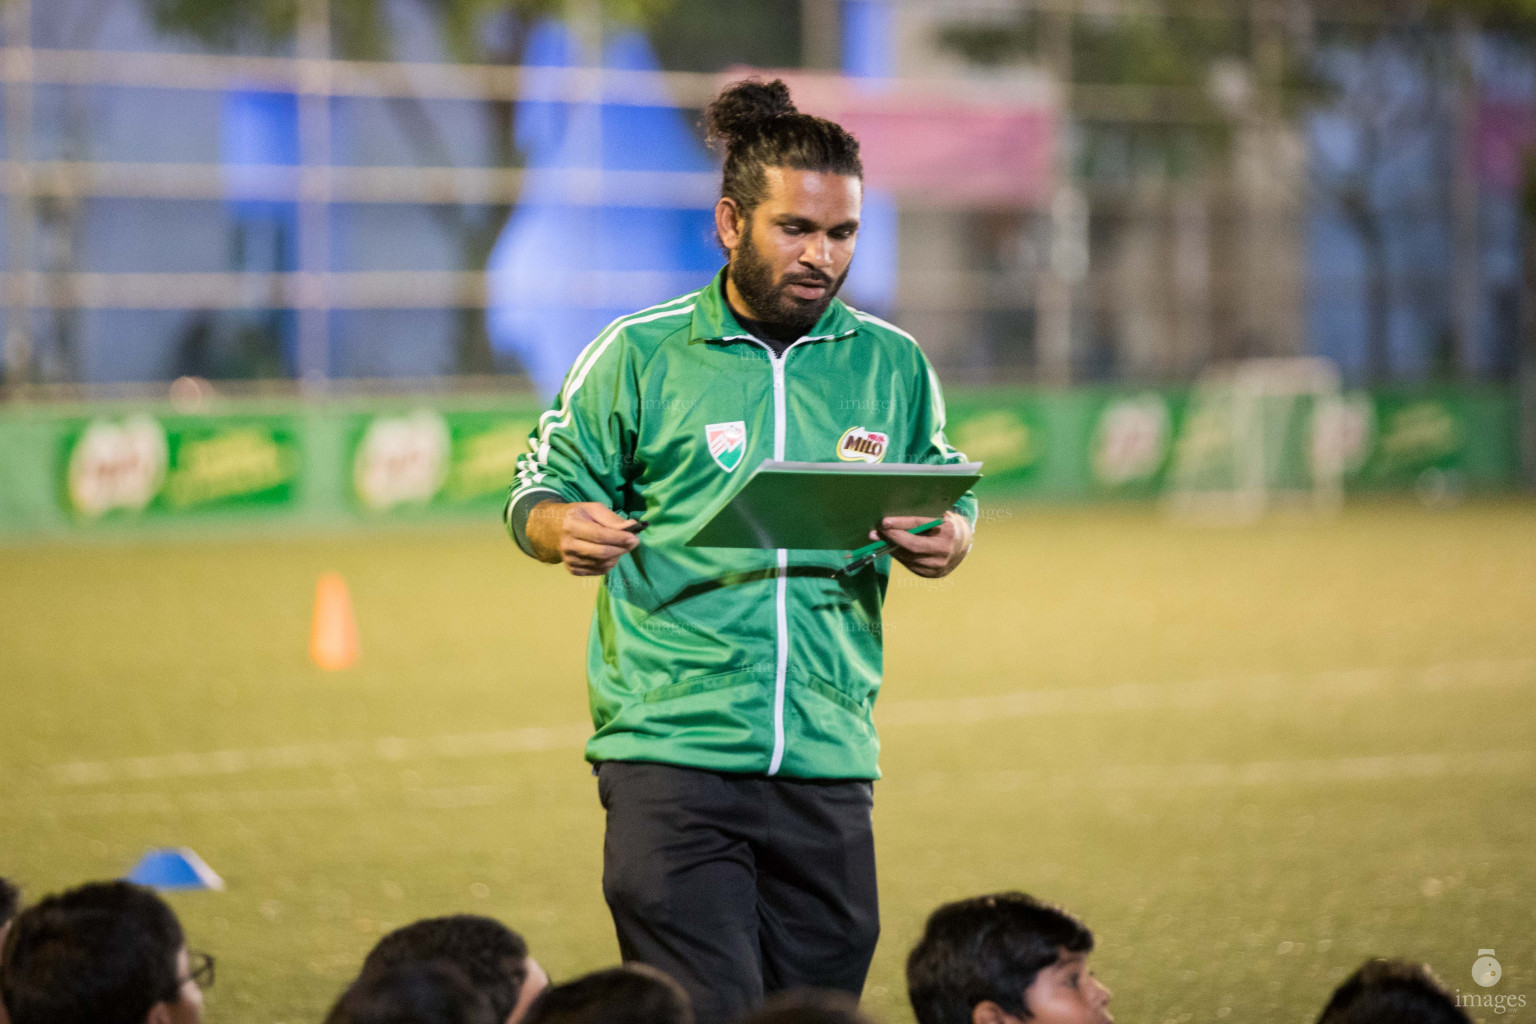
(562, 270)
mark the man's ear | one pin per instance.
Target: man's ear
(728, 223)
(988, 1012)
(160, 1013)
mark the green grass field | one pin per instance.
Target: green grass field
(1248, 758)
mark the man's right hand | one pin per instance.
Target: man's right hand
(588, 537)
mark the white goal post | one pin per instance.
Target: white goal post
(1259, 434)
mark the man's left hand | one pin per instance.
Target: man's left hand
(933, 554)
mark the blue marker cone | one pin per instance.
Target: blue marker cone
(178, 868)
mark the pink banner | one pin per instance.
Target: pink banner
(1506, 132)
(947, 144)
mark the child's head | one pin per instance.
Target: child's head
(1393, 992)
(1001, 959)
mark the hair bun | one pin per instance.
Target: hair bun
(741, 108)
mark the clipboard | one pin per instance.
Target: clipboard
(829, 506)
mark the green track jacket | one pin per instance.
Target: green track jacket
(731, 660)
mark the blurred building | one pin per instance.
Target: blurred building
(1057, 192)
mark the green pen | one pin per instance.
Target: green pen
(858, 558)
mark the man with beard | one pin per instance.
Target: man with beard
(731, 689)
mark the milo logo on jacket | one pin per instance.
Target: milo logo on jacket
(861, 445)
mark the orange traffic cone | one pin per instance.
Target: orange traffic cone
(333, 636)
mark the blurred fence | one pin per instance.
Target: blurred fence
(303, 219)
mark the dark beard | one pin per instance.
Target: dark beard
(771, 299)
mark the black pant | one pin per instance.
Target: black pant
(740, 885)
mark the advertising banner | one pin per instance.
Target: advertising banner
(426, 460)
(980, 143)
(1009, 437)
(1129, 446)
(123, 468)
(1430, 439)
(143, 465)
(1112, 443)
(1068, 445)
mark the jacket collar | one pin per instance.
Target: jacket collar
(714, 321)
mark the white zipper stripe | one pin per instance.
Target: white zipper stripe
(781, 601)
(780, 406)
(781, 592)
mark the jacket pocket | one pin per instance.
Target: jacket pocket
(702, 684)
(834, 695)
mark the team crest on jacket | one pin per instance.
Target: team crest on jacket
(727, 443)
(861, 445)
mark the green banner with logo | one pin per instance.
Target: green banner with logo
(425, 460)
(142, 465)
(1094, 444)
(1456, 437)
(150, 468)
(1068, 445)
